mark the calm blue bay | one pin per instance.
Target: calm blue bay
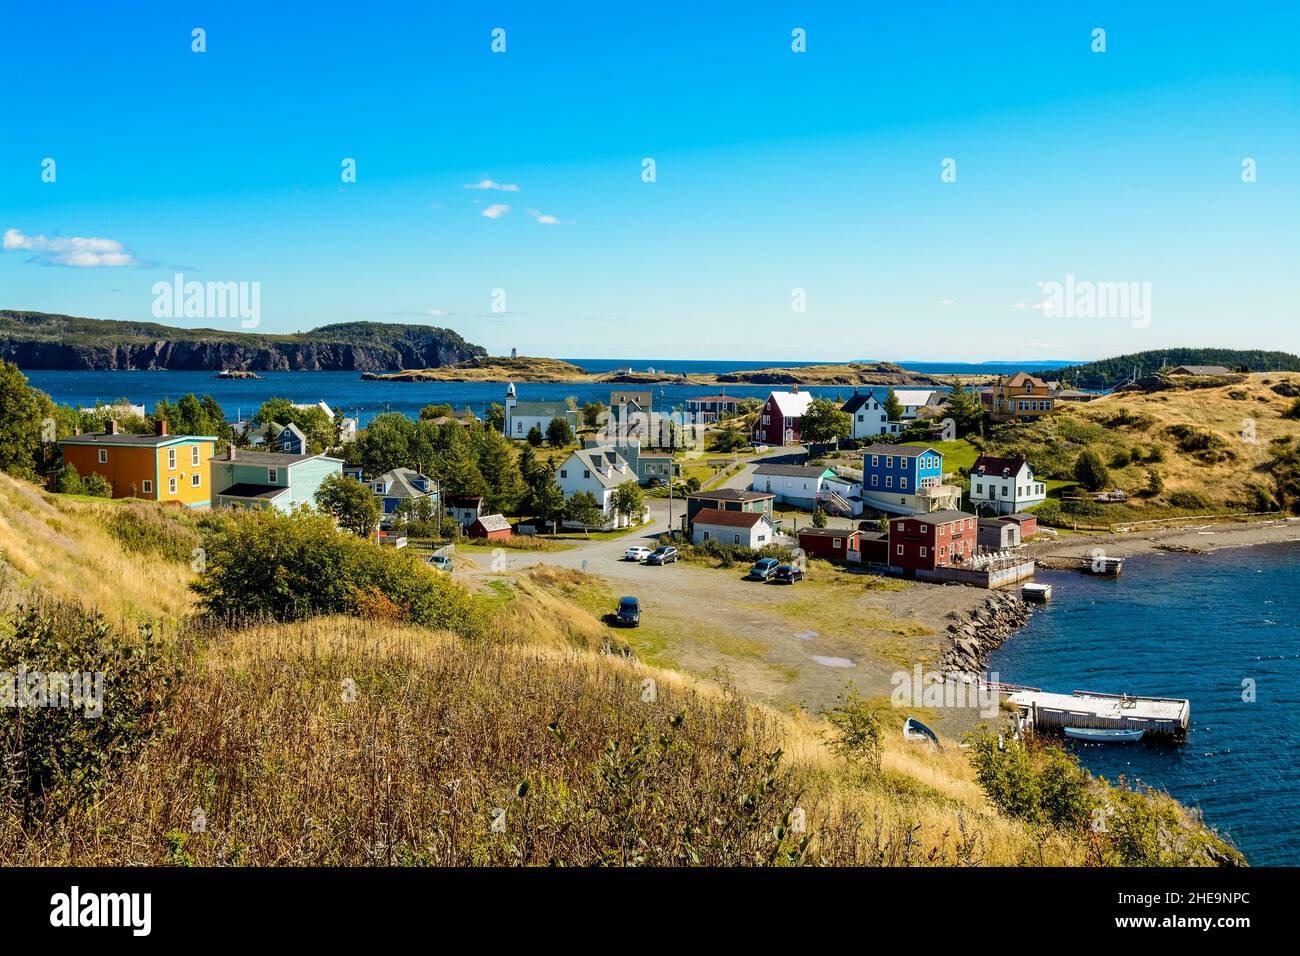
(1193, 626)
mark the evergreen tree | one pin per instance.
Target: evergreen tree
(893, 407)
(500, 470)
(460, 473)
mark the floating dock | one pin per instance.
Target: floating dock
(1166, 717)
(1036, 593)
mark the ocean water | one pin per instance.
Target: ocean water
(1199, 627)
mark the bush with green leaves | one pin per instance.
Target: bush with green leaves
(1090, 471)
(1193, 500)
(97, 486)
(267, 565)
(146, 530)
(55, 759)
(69, 481)
(856, 731)
(1033, 780)
(1049, 512)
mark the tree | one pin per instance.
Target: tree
(437, 411)
(21, 413)
(496, 417)
(530, 468)
(458, 467)
(591, 413)
(627, 500)
(559, 433)
(535, 437)
(351, 503)
(547, 503)
(385, 444)
(583, 509)
(893, 407)
(97, 485)
(69, 482)
(819, 517)
(1155, 483)
(1090, 471)
(500, 470)
(965, 410)
(824, 422)
(312, 422)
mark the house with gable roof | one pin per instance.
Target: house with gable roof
(779, 420)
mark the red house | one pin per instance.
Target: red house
(927, 541)
(831, 544)
(779, 420)
(491, 527)
(1028, 523)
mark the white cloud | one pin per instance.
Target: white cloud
(486, 183)
(947, 301)
(76, 252)
(496, 210)
(544, 218)
(436, 312)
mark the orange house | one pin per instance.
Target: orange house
(1019, 397)
(159, 467)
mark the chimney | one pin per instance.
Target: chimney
(230, 452)
(160, 427)
(111, 427)
(76, 431)
(794, 389)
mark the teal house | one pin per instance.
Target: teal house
(254, 479)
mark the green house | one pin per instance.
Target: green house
(253, 479)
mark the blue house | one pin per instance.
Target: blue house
(402, 484)
(254, 479)
(898, 478)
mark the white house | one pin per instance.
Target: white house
(1006, 485)
(799, 485)
(913, 400)
(522, 417)
(597, 471)
(867, 413)
(752, 529)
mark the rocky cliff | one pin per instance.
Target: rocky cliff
(40, 341)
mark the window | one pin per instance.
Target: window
(564, 473)
(706, 536)
(765, 420)
(146, 487)
(835, 542)
(889, 481)
(519, 426)
(103, 456)
(875, 461)
(901, 526)
(586, 472)
(862, 417)
(875, 481)
(171, 485)
(194, 454)
(195, 480)
(737, 539)
(889, 461)
(979, 487)
(923, 551)
(902, 482)
(943, 551)
(272, 476)
(171, 459)
(900, 550)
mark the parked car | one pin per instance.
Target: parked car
(636, 553)
(629, 612)
(763, 569)
(440, 561)
(787, 574)
(664, 554)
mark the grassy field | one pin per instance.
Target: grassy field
(348, 741)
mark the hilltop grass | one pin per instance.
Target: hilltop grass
(350, 740)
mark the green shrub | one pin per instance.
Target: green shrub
(1200, 444)
(146, 530)
(281, 567)
(1090, 471)
(54, 759)
(97, 485)
(1049, 512)
(69, 481)
(1190, 499)
(1293, 410)
(1033, 781)
(1120, 459)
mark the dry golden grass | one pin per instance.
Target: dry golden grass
(61, 545)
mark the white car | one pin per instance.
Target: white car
(637, 554)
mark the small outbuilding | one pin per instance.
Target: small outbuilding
(998, 535)
(492, 527)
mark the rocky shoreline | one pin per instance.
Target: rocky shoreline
(975, 635)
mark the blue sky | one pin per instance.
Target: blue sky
(775, 171)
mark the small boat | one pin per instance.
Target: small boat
(1037, 593)
(1104, 735)
(913, 729)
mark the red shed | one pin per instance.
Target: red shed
(934, 540)
(491, 527)
(831, 544)
(1028, 523)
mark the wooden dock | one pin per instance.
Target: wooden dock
(1044, 712)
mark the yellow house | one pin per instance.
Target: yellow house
(1019, 397)
(158, 467)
